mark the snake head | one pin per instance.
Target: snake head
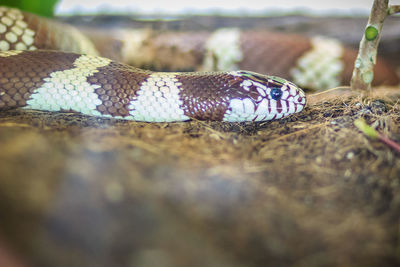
(264, 98)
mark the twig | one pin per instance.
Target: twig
(373, 134)
(334, 93)
(393, 9)
(363, 72)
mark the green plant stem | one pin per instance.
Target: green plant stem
(374, 134)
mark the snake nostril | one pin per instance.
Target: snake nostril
(276, 93)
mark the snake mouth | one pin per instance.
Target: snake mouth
(274, 109)
(292, 99)
(288, 107)
(291, 105)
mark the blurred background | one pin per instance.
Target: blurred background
(250, 7)
(117, 195)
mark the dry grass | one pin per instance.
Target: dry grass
(309, 190)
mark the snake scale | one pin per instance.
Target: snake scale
(35, 76)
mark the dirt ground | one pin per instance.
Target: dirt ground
(309, 190)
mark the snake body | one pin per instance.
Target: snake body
(92, 85)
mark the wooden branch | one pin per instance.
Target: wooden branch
(363, 72)
(393, 9)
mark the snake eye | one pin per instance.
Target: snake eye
(276, 93)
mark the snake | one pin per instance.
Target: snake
(51, 66)
(97, 86)
(32, 78)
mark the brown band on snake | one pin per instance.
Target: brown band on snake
(212, 98)
(107, 44)
(21, 74)
(272, 53)
(44, 37)
(165, 51)
(118, 84)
